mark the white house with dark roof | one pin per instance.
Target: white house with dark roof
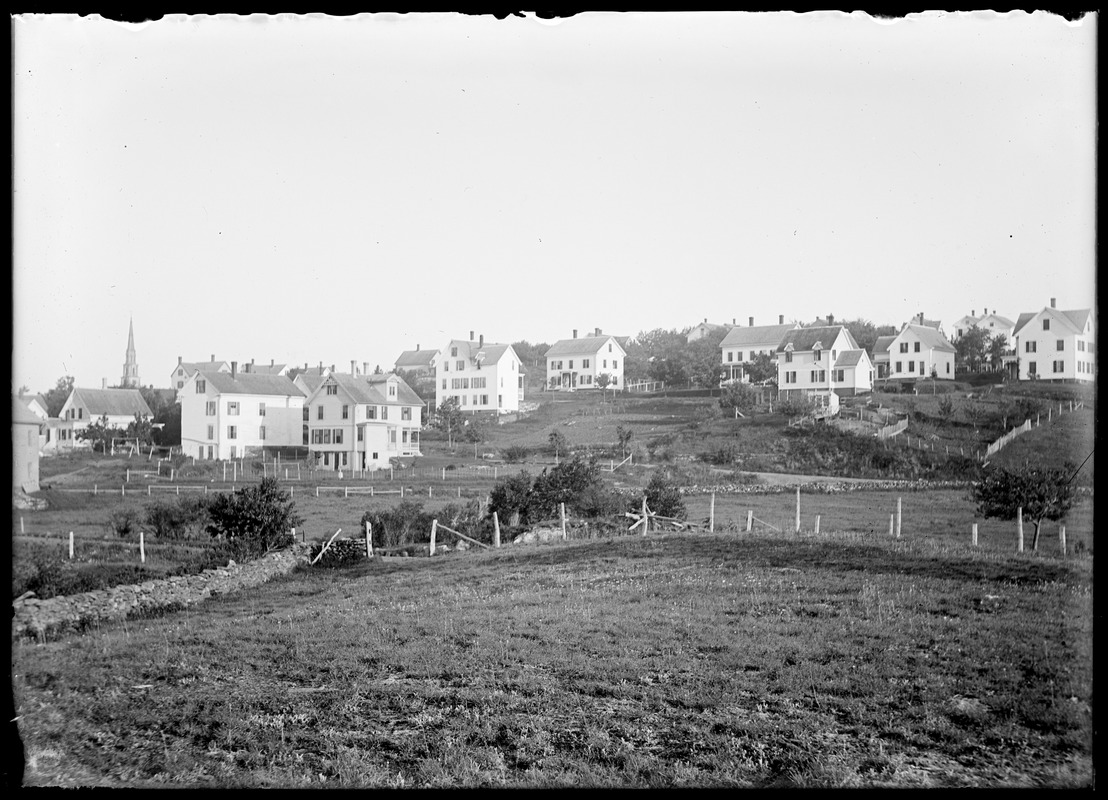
(86, 406)
(577, 363)
(361, 422)
(25, 447)
(918, 351)
(186, 369)
(231, 414)
(821, 360)
(990, 321)
(417, 362)
(742, 344)
(480, 375)
(36, 404)
(1056, 345)
(705, 328)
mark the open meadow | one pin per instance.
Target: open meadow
(662, 660)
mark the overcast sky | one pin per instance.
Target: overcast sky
(307, 189)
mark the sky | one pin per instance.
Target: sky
(307, 189)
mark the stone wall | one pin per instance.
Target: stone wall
(37, 618)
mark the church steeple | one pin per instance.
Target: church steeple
(130, 366)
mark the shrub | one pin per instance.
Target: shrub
(183, 519)
(124, 522)
(515, 453)
(565, 483)
(795, 407)
(722, 456)
(509, 498)
(663, 497)
(404, 523)
(254, 520)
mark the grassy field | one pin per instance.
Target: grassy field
(666, 660)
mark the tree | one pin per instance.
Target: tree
(702, 359)
(474, 432)
(99, 433)
(509, 498)
(56, 397)
(603, 380)
(865, 333)
(971, 348)
(571, 483)
(738, 398)
(254, 520)
(624, 436)
(663, 497)
(448, 419)
(761, 368)
(1042, 493)
(558, 442)
(974, 413)
(997, 349)
(140, 428)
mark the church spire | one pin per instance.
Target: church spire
(130, 366)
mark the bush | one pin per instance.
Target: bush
(184, 519)
(662, 497)
(565, 483)
(795, 407)
(402, 524)
(723, 456)
(254, 520)
(124, 522)
(515, 453)
(509, 498)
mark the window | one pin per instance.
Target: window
(332, 388)
(609, 347)
(605, 363)
(179, 385)
(584, 363)
(261, 409)
(201, 387)
(261, 431)
(444, 383)
(307, 413)
(615, 364)
(180, 372)
(1059, 366)
(788, 356)
(361, 432)
(384, 412)
(819, 375)
(209, 452)
(211, 431)
(475, 399)
(406, 413)
(730, 357)
(317, 436)
(1061, 345)
(326, 435)
(911, 366)
(232, 432)
(1032, 368)
(571, 363)
(446, 366)
(899, 367)
(346, 412)
(484, 399)
(921, 369)
(453, 352)
(233, 409)
(319, 412)
(816, 354)
(234, 452)
(840, 375)
(392, 390)
(371, 411)
(947, 367)
(1081, 345)
(904, 347)
(1030, 347)
(338, 435)
(210, 408)
(478, 383)
(1046, 324)
(790, 377)
(460, 365)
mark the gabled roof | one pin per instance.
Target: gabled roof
(585, 346)
(1001, 322)
(195, 366)
(251, 383)
(929, 336)
(414, 358)
(850, 358)
(882, 344)
(265, 369)
(113, 402)
(756, 335)
(21, 414)
(371, 389)
(1076, 318)
(803, 339)
(468, 350)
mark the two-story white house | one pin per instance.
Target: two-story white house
(741, 345)
(233, 414)
(86, 406)
(480, 375)
(362, 421)
(918, 351)
(705, 328)
(577, 363)
(1056, 345)
(990, 321)
(821, 360)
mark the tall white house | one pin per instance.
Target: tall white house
(574, 363)
(362, 421)
(233, 414)
(480, 375)
(918, 351)
(742, 344)
(1056, 345)
(821, 360)
(86, 406)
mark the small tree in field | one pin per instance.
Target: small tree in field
(1041, 493)
(663, 497)
(474, 432)
(254, 520)
(738, 398)
(558, 443)
(448, 419)
(99, 433)
(624, 436)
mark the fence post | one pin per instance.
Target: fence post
(645, 518)
(71, 545)
(712, 514)
(798, 509)
(224, 473)
(294, 535)
(496, 530)
(401, 491)
(1019, 529)
(123, 490)
(142, 546)
(459, 491)
(749, 519)
(21, 524)
(562, 513)
(444, 473)
(368, 539)
(1062, 533)
(891, 520)
(898, 517)
(974, 538)
(428, 490)
(817, 524)
(434, 528)
(148, 487)
(317, 491)
(128, 474)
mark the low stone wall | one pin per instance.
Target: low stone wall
(34, 617)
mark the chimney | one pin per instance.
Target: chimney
(705, 320)
(481, 343)
(272, 362)
(353, 367)
(365, 367)
(780, 319)
(103, 383)
(1052, 302)
(213, 358)
(574, 333)
(750, 322)
(973, 312)
(332, 368)
(417, 348)
(597, 332)
(234, 369)
(732, 321)
(471, 336)
(830, 319)
(251, 362)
